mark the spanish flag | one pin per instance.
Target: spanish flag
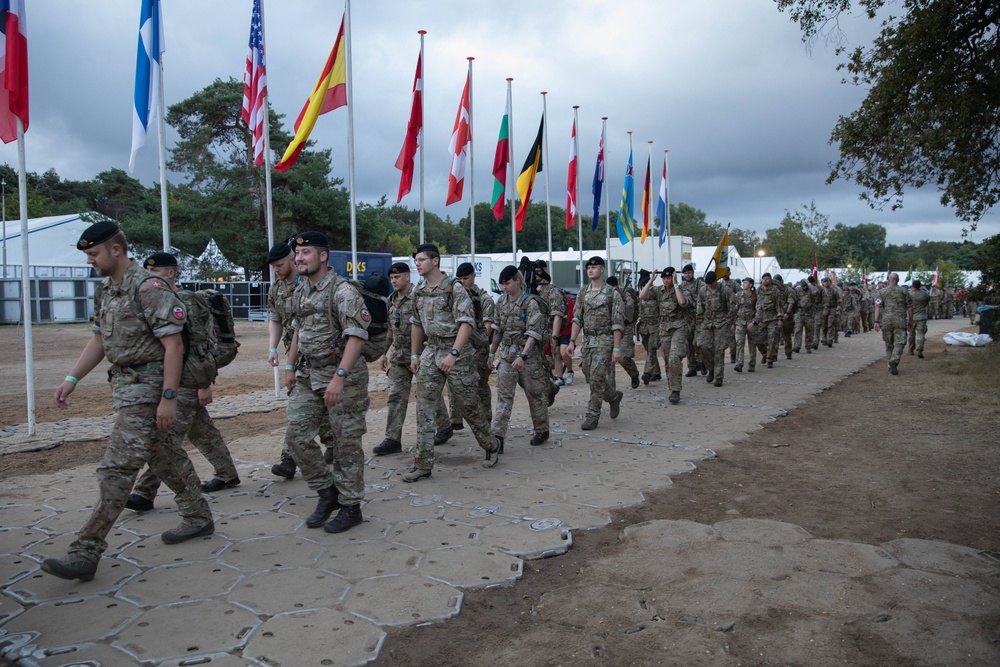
(526, 181)
(329, 93)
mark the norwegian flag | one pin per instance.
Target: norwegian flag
(255, 85)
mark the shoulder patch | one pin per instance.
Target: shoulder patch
(365, 316)
(178, 312)
(156, 283)
(878, 302)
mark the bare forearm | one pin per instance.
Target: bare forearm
(92, 355)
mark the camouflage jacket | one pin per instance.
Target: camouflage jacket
(324, 316)
(516, 320)
(280, 307)
(599, 313)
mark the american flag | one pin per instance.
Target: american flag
(255, 85)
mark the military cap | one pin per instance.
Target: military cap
(427, 247)
(465, 269)
(765, 275)
(669, 271)
(748, 279)
(596, 260)
(613, 281)
(778, 277)
(643, 273)
(97, 233)
(160, 259)
(688, 267)
(540, 269)
(278, 251)
(398, 268)
(826, 279)
(313, 239)
(916, 283)
(710, 278)
(812, 279)
(541, 264)
(508, 272)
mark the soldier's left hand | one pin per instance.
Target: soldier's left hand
(166, 414)
(616, 357)
(334, 393)
(517, 364)
(447, 364)
(205, 396)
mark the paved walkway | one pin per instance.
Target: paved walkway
(265, 590)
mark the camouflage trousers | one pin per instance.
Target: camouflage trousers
(828, 324)
(916, 332)
(691, 350)
(894, 335)
(325, 437)
(628, 353)
(786, 337)
(673, 345)
(651, 343)
(838, 318)
(744, 341)
(463, 387)
(400, 381)
(713, 339)
(853, 323)
(600, 370)
(805, 330)
(135, 441)
(534, 379)
(307, 413)
(206, 438)
(767, 339)
(482, 388)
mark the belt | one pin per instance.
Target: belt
(436, 341)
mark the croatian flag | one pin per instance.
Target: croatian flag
(146, 99)
(13, 68)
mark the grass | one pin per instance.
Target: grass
(972, 375)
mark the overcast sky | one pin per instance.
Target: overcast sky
(728, 87)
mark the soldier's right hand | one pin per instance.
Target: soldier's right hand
(166, 414)
(289, 379)
(62, 393)
(414, 365)
(383, 363)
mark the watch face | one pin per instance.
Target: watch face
(169, 393)
(454, 352)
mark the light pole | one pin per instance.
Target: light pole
(760, 264)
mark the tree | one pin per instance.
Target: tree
(932, 111)
(864, 243)
(789, 243)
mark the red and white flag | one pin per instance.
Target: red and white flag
(815, 270)
(571, 193)
(461, 143)
(255, 85)
(936, 277)
(405, 160)
(13, 69)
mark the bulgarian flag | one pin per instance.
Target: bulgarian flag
(500, 161)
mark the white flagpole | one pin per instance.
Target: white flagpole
(666, 206)
(548, 203)
(29, 357)
(649, 207)
(579, 216)
(420, 133)
(268, 203)
(472, 171)
(632, 213)
(161, 125)
(607, 202)
(350, 139)
(509, 173)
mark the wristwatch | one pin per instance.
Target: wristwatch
(454, 352)
(169, 394)
(341, 372)
(523, 356)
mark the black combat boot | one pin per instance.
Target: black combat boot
(329, 500)
(348, 517)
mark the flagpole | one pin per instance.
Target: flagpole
(545, 161)
(472, 171)
(666, 205)
(29, 357)
(632, 213)
(509, 173)
(420, 133)
(579, 216)
(268, 202)
(350, 138)
(161, 126)
(648, 187)
(607, 205)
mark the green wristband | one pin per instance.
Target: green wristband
(492, 355)
(616, 349)
(414, 356)
(289, 367)
(70, 378)
(272, 349)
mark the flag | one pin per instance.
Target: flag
(935, 283)
(721, 257)
(500, 161)
(909, 274)
(13, 68)
(626, 222)
(598, 184)
(255, 85)
(461, 139)
(405, 160)
(815, 269)
(571, 181)
(661, 206)
(645, 204)
(526, 181)
(329, 93)
(146, 99)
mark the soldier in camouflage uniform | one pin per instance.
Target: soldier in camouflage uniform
(735, 288)
(396, 364)
(830, 303)
(485, 309)
(865, 306)
(630, 314)
(279, 328)
(785, 335)
(715, 309)
(672, 306)
(137, 326)
(892, 310)
(802, 311)
(599, 315)
(441, 352)
(328, 383)
(691, 287)
(935, 311)
(768, 318)
(851, 311)
(649, 332)
(555, 297)
(516, 353)
(745, 304)
(203, 434)
(917, 329)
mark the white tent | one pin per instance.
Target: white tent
(51, 242)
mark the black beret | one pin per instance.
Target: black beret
(777, 276)
(539, 271)
(811, 279)
(643, 273)
(596, 260)
(96, 234)
(669, 271)
(710, 278)
(765, 275)
(748, 279)
(427, 247)
(688, 267)
(306, 239)
(160, 259)
(280, 250)
(613, 281)
(508, 272)
(541, 264)
(465, 269)
(398, 268)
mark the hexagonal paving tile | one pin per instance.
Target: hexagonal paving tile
(177, 583)
(301, 638)
(38, 586)
(403, 509)
(528, 539)
(365, 559)
(96, 655)
(15, 566)
(187, 630)
(17, 540)
(57, 545)
(267, 553)
(295, 589)
(244, 501)
(424, 535)
(373, 528)
(257, 524)
(23, 516)
(74, 621)
(399, 599)
(152, 550)
(63, 522)
(471, 566)
(9, 608)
